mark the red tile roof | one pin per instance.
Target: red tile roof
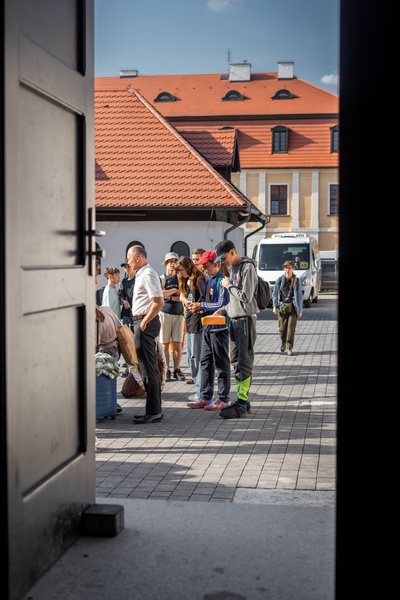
(201, 95)
(199, 106)
(309, 143)
(217, 145)
(142, 161)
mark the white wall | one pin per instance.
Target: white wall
(157, 237)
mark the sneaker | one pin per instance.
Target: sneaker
(289, 352)
(119, 408)
(216, 405)
(168, 377)
(178, 375)
(199, 403)
(190, 381)
(234, 411)
(283, 347)
(248, 406)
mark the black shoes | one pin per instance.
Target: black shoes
(178, 375)
(283, 347)
(235, 410)
(143, 419)
(119, 408)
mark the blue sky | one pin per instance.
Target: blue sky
(166, 37)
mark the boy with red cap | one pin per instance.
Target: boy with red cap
(215, 339)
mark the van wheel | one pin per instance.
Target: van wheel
(307, 303)
(315, 300)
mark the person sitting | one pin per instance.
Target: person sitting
(133, 385)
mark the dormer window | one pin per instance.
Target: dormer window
(335, 138)
(233, 95)
(280, 139)
(165, 97)
(283, 95)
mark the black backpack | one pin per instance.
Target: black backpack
(263, 291)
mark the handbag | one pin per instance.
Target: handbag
(126, 343)
(131, 388)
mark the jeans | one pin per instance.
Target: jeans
(193, 344)
(215, 357)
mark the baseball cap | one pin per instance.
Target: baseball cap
(208, 256)
(124, 264)
(170, 256)
(222, 248)
(288, 263)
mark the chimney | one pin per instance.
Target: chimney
(128, 73)
(240, 71)
(286, 70)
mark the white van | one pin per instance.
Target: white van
(330, 270)
(302, 249)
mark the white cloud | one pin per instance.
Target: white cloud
(223, 5)
(330, 79)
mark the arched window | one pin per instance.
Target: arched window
(99, 255)
(280, 139)
(283, 94)
(233, 95)
(335, 138)
(134, 243)
(181, 248)
(165, 97)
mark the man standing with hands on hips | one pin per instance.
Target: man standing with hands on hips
(242, 310)
(147, 302)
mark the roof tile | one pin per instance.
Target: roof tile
(141, 160)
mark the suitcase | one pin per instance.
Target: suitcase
(106, 397)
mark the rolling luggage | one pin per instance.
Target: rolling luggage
(106, 397)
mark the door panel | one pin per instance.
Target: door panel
(49, 429)
(50, 183)
(50, 291)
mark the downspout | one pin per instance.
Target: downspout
(263, 224)
(247, 218)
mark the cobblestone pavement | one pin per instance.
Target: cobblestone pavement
(287, 442)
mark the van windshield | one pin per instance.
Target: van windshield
(272, 256)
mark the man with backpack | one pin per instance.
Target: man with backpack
(242, 310)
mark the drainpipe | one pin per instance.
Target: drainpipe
(247, 218)
(263, 224)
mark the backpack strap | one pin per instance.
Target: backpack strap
(244, 262)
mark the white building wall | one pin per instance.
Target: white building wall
(158, 237)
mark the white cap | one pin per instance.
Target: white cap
(169, 256)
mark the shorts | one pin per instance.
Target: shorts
(171, 327)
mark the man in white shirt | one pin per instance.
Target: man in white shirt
(147, 302)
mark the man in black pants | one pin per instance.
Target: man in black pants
(147, 302)
(242, 310)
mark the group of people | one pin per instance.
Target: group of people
(169, 309)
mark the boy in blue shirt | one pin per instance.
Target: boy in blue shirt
(215, 339)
